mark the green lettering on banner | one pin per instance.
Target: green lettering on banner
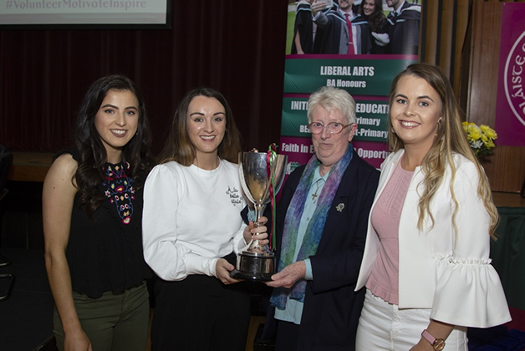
(372, 120)
(294, 120)
(357, 76)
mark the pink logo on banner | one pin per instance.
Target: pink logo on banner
(514, 78)
(510, 107)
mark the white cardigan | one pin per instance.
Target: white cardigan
(439, 268)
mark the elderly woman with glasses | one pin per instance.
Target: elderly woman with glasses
(321, 225)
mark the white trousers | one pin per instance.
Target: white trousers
(383, 326)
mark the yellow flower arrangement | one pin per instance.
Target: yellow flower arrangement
(481, 139)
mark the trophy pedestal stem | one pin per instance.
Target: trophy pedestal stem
(254, 266)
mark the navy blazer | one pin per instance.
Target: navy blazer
(331, 307)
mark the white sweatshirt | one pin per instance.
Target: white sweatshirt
(191, 218)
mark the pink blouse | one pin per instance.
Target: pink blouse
(384, 280)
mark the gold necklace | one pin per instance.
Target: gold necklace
(314, 195)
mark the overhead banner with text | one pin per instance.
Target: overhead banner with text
(317, 57)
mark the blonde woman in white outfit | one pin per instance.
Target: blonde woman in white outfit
(426, 262)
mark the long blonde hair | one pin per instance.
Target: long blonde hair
(450, 139)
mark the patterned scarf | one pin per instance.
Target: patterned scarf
(314, 229)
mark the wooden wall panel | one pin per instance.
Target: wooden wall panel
(462, 37)
(506, 168)
(445, 27)
(461, 25)
(430, 22)
(447, 36)
(484, 60)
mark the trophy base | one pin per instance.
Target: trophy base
(250, 276)
(254, 266)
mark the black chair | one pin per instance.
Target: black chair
(6, 160)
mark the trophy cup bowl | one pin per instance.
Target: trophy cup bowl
(257, 178)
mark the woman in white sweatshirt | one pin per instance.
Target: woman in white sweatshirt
(192, 230)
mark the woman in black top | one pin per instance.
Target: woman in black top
(92, 212)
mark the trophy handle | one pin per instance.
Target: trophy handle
(243, 182)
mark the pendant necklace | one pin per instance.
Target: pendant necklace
(314, 195)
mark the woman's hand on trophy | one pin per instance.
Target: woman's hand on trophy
(259, 243)
(288, 276)
(222, 271)
(253, 233)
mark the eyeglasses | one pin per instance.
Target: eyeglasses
(332, 127)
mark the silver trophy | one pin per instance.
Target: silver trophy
(259, 180)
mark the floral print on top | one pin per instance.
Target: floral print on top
(120, 190)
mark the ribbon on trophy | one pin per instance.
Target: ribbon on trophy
(271, 155)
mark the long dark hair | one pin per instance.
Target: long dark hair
(179, 147)
(377, 19)
(93, 156)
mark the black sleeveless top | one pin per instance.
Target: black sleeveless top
(105, 253)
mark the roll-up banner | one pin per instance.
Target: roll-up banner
(361, 55)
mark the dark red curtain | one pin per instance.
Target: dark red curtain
(234, 46)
